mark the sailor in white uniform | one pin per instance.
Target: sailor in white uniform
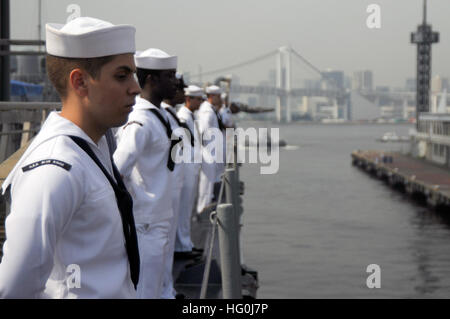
(70, 232)
(225, 112)
(183, 242)
(227, 120)
(212, 164)
(168, 291)
(143, 157)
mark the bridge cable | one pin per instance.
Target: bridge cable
(259, 58)
(298, 55)
(323, 75)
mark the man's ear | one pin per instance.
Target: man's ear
(149, 80)
(78, 82)
(152, 80)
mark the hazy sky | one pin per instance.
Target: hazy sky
(214, 34)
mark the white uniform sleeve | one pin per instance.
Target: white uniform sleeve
(227, 118)
(131, 144)
(202, 123)
(44, 200)
(205, 122)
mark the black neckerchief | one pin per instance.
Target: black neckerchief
(170, 162)
(181, 124)
(219, 120)
(125, 205)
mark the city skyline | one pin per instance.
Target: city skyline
(214, 34)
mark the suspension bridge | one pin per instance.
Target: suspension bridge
(328, 98)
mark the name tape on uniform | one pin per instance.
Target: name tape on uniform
(133, 122)
(61, 164)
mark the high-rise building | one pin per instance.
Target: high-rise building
(272, 77)
(438, 84)
(332, 80)
(363, 80)
(411, 84)
(235, 80)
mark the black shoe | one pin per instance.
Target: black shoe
(180, 296)
(197, 250)
(186, 254)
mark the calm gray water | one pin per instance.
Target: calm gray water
(312, 229)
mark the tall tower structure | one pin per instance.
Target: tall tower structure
(424, 38)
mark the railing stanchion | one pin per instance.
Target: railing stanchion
(229, 254)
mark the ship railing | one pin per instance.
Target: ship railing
(226, 220)
(20, 122)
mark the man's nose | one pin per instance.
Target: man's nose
(135, 88)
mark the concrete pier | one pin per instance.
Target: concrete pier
(417, 177)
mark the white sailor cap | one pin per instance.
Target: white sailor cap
(85, 37)
(213, 89)
(193, 90)
(155, 59)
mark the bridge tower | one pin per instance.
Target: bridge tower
(284, 83)
(279, 64)
(424, 38)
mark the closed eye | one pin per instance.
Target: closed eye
(121, 77)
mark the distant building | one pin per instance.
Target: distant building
(362, 80)
(382, 88)
(432, 140)
(438, 84)
(361, 109)
(318, 108)
(312, 84)
(252, 101)
(411, 84)
(334, 80)
(235, 80)
(347, 82)
(272, 77)
(268, 100)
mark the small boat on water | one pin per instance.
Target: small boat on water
(264, 142)
(392, 137)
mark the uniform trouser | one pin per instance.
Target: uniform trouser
(220, 169)
(205, 191)
(168, 292)
(183, 240)
(209, 175)
(153, 241)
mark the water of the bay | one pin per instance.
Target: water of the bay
(312, 229)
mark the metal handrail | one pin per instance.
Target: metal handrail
(17, 106)
(21, 42)
(214, 221)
